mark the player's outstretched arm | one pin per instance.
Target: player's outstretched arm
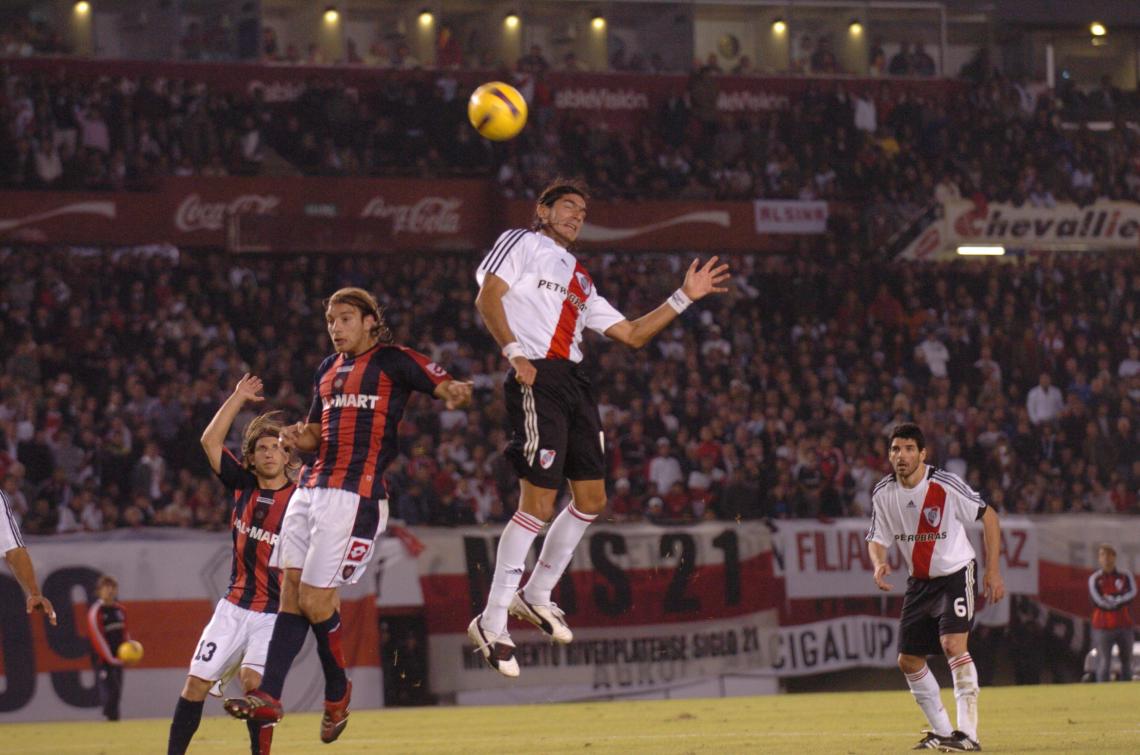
(878, 553)
(214, 436)
(700, 281)
(489, 304)
(456, 393)
(20, 562)
(993, 586)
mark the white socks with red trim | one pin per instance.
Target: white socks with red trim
(510, 563)
(924, 687)
(561, 540)
(966, 693)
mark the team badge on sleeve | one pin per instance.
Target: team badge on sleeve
(546, 457)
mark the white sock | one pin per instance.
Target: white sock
(924, 687)
(966, 693)
(561, 540)
(510, 563)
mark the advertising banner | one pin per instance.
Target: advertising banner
(790, 216)
(620, 100)
(276, 214)
(829, 560)
(250, 215)
(650, 607)
(1103, 225)
(169, 583)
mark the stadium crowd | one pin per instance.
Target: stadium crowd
(773, 401)
(890, 151)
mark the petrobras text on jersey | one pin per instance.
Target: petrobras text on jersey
(255, 532)
(572, 297)
(353, 400)
(195, 215)
(439, 215)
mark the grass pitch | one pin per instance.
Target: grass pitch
(1086, 718)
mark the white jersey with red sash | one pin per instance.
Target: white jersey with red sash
(552, 298)
(928, 521)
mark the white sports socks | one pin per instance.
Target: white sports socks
(510, 563)
(924, 687)
(561, 540)
(966, 693)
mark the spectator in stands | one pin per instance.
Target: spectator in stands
(921, 64)
(1044, 402)
(902, 62)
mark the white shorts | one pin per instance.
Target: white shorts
(330, 535)
(235, 638)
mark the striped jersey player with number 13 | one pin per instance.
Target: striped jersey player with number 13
(537, 300)
(926, 510)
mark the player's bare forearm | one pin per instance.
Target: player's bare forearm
(20, 562)
(22, 569)
(641, 331)
(214, 436)
(880, 569)
(993, 585)
(489, 303)
(700, 281)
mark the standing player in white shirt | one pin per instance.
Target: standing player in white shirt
(537, 299)
(926, 510)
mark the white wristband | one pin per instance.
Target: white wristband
(679, 301)
(512, 350)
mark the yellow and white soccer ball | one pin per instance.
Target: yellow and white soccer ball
(130, 652)
(497, 111)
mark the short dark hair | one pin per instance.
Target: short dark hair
(560, 187)
(367, 305)
(908, 431)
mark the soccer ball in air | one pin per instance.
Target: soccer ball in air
(130, 652)
(497, 111)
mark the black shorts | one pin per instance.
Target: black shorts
(934, 607)
(556, 431)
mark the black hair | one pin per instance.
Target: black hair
(908, 431)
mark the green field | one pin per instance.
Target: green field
(1083, 718)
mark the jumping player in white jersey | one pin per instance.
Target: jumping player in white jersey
(537, 299)
(925, 510)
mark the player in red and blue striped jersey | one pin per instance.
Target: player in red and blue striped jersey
(238, 634)
(340, 506)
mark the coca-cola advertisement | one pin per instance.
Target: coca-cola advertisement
(264, 215)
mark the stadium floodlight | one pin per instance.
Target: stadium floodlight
(779, 26)
(982, 250)
(427, 18)
(1098, 29)
(83, 7)
(331, 15)
(855, 28)
(598, 22)
(511, 20)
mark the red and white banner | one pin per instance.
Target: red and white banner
(277, 214)
(169, 582)
(1066, 227)
(651, 608)
(369, 216)
(830, 560)
(790, 216)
